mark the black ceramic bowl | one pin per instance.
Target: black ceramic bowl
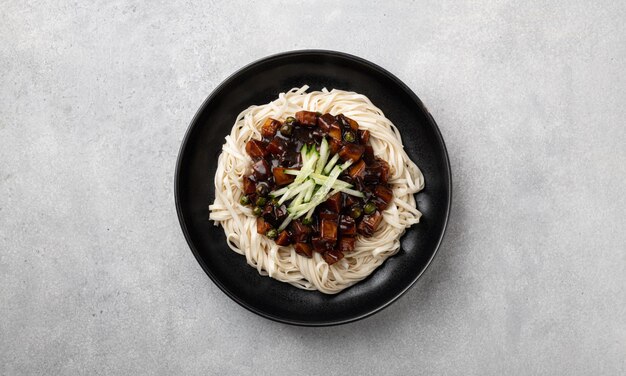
(259, 83)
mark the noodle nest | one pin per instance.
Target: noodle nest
(283, 263)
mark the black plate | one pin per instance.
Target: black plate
(259, 83)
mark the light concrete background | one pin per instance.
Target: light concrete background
(96, 278)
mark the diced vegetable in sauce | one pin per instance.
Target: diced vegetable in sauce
(351, 152)
(270, 127)
(249, 187)
(328, 229)
(334, 202)
(281, 177)
(283, 238)
(347, 244)
(304, 249)
(369, 224)
(332, 257)
(306, 118)
(256, 148)
(262, 226)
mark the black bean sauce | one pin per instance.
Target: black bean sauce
(333, 228)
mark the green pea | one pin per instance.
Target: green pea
(356, 212)
(261, 201)
(271, 233)
(286, 129)
(257, 211)
(349, 137)
(262, 189)
(369, 208)
(244, 200)
(290, 120)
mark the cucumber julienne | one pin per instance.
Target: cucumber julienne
(314, 183)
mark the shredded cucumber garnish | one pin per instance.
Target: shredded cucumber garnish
(324, 153)
(331, 164)
(332, 178)
(291, 192)
(321, 180)
(304, 153)
(309, 193)
(309, 214)
(308, 166)
(300, 197)
(279, 192)
(314, 183)
(285, 223)
(351, 192)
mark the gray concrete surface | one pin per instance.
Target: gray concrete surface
(96, 278)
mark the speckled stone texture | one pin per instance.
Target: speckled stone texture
(96, 277)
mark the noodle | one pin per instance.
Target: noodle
(282, 263)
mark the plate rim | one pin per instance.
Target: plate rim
(216, 91)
